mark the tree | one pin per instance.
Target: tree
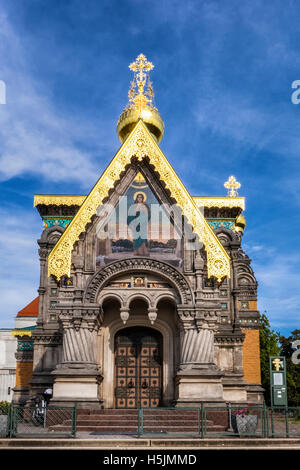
(292, 370)
(269, 346)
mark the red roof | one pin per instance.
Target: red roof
(31, 310)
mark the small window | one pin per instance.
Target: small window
(67, 281)
(245, 305)
(209, 283)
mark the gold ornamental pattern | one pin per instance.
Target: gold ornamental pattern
(58, 200)
(139, 144)
(67, 200)
(220, 202)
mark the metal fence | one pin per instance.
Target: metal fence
(50, 421)
(220, 421)
(4, 422)
(283, 422)
(255, 421)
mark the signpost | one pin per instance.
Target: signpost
(278, 381)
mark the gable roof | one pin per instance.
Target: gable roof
(140, 144)
(31, 310)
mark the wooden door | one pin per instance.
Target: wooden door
(138, 368)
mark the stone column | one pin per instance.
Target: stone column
(197, 338)
(198, 379)
(43, 253)
(188, 338)
(79, 340)
(78, 377)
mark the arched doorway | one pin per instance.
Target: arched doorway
(138, 367)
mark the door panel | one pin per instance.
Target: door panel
(138, 368)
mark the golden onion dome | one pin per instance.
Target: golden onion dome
(140, 103)
(240, 223)
(150, 116)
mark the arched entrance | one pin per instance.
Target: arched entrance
(138, 367)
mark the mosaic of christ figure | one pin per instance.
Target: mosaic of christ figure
(139, 227)
(138, 224)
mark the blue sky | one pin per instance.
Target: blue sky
(222, 82)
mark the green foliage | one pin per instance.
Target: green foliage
(292, 370)
(4, 407)
(274, 344)
(269, 346)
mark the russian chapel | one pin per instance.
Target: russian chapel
(146, 296)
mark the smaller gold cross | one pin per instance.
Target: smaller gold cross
(232, 185)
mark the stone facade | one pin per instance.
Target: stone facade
(210, 347)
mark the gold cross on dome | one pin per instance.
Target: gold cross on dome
(232, 185)
(141, 98)
(277, 363)
(141, 65)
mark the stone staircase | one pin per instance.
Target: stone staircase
(126, 421)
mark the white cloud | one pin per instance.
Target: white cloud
(19, 267)
(278, 293)
(34, 137)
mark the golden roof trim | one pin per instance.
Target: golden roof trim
(139, 143)
(77, 200)
(21, 333)
(58, 199)
(220, 202)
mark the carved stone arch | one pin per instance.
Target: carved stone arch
(226, 236)
(165, 296)
(138, 296)
(50, 233)
(243, 268)
(111, 296)
(246, 279)
(139, 265)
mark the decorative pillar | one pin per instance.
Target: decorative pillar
(188, 332)
(199, 273)
(43, 254)
(77, 378)
(79, 340)
(198, 379)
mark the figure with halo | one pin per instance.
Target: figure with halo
(138, 218)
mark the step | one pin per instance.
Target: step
(135, 410)
(108, 411)
(133, 429)
(154, 420)
(145, 416)
(134, 423)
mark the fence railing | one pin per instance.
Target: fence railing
(203, 422)
(220, 421)
(45, 421)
